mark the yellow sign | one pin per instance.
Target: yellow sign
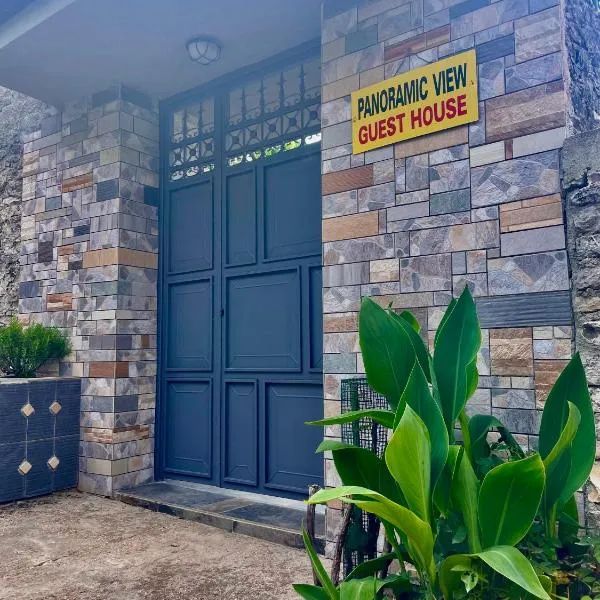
(438, 96)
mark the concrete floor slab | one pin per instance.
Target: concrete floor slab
(73, 546)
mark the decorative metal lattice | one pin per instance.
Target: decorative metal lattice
(192, 134)
(278, 112)
(363, 531)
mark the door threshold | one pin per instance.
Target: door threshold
(269, 518)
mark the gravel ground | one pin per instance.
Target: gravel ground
(73, 546)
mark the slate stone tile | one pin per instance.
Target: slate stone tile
(426, 273)
(510, 398)
(339, 363)
(519, 420)
(29, 289)
(450, 202)
(526, 111)
(363, 249)
(417, 172)
(497, 48)
(449, 176)
(346, 274)
(458, 10)
(45, 252)
(471, 236)
(537, 35)
(533, 240)
(528, 273)
(477, 283)
(517, 179)
(446, 155)
(491, 79)
(534, 72)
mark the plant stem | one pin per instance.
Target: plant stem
(391, 536)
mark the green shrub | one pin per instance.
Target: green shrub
(23, 350)
(464, 516)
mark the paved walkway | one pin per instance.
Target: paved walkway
(77, 547)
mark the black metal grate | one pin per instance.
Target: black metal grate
(361, 539)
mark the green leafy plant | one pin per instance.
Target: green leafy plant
(459, 516)
(23, 350)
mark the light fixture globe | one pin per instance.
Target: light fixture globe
(204, 50)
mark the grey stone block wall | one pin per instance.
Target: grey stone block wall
(581, 190)
(19, 115)
(582, 38)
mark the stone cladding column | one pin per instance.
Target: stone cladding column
(89, 232)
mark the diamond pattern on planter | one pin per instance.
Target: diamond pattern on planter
(25, 467)
(55, 408)
(53, 462)
(27, 410)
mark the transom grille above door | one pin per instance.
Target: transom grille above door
(278, 112)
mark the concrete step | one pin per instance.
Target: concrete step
(268, 518)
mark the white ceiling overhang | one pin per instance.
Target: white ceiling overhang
(61, 50)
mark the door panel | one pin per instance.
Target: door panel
(292, 209)
(291, 462)
(240, 220)
(188, 427)
(262, 324)
(241, 424)
(241, 321)
(191, 217)
(190, 330)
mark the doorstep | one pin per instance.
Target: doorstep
(269, 518)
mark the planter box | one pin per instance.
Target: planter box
(39, 436)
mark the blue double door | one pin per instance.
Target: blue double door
(241, 319)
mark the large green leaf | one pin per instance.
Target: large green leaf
(328, 445)
(310, 592)
(417, 531)
(513, 565)
(566, 436)
(445, 317)
(479, 427)
(381, 416)
(421, 352)
(465, 492)
(509, 499)
(558, 460)
(408, 457)
(456, 350)
(360, 589)
(319, 569)
(388, 354)
(506, 560)
(361, 467)
(571, 386)
(418, 396)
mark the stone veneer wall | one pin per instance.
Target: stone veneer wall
(89, 234)
(479, 205)
(19, 115)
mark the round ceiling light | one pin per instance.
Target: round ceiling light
(204, 50)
